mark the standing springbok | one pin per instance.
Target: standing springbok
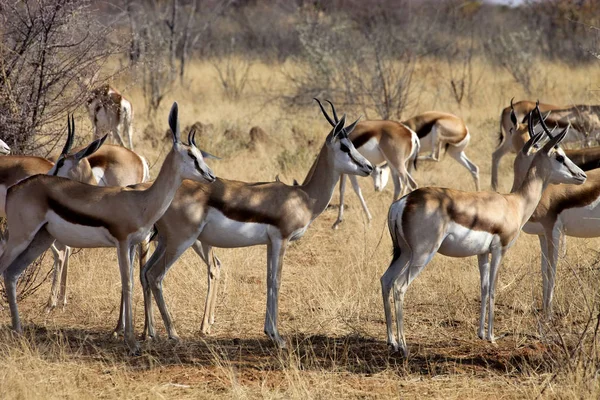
(44, 208)
(437, 129)
(461, 224)
(584, 120)
(109, 165)
(585, 158)
(112, 113)
(237, 214)
(381, 142)
(571, 210)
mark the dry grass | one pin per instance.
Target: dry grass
(330, 309)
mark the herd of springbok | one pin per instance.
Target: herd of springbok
(100, 196)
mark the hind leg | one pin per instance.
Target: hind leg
(213, 265)
(15, 263)
(436, 146)
(459, 155)
(504, 148)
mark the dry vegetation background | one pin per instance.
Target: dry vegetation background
(330, 304)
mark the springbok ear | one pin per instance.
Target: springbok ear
(339, 128)
(533, 140)
(206, 154)
(348, 130)
(331, 122)
(91, 148)
(174, 123)
(555, 141)
(70, 136)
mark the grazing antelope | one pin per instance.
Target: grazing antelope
(4, 148)
(583, 119)
(585, 158)
(237, 214)
(42, 208)
(381, 142)
(461, 224)
(437, 129)
(112, 113)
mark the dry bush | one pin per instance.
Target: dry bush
(49, 52)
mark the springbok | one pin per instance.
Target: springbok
(4, 148)
(571, 210)
(437, 129)
(585, 158)
(381, 142)
(44, 208)
(462, 224)
(112, 113)
(237, 214)
(109, 165)
(584, 120)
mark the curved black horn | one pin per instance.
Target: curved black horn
(70, 136)
(332, 122)
(335, 117)
(542, 121)
(511, 104)
(555, 141)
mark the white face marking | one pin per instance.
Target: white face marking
(78, 235)
(349, 161)
(464, 242)
(221, 231)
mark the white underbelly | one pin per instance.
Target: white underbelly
(581, 222)
(78, 235)
(221, 231)
(464, 242)
(370, 151)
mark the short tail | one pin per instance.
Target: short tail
(417, 150)
(393, 227)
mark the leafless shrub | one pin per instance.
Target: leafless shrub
(369, 69)
(233, 75)
(514, 51)
(49, 52)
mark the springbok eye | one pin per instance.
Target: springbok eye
(344, 148)
(560, 158)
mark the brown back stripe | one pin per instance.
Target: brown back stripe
(584, 197)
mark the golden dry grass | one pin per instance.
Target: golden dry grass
(330, 303)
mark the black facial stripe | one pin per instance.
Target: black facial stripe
(346, 150)
(195, 160)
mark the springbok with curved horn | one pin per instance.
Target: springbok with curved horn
(107, 165)
(112, 113)
(44, 208)
(563, 210)
(585, 158)
(583, 119)
(380, 142)
(237, 214)
(461, 224)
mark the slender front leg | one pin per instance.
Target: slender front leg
(57, 268)
(484, 277)
(275, 253)
(356, 187)
(64, 276)
(214, 272)
(341, 210)
(124, 253)
(553, 242)
(158, 254)
(497, 254)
